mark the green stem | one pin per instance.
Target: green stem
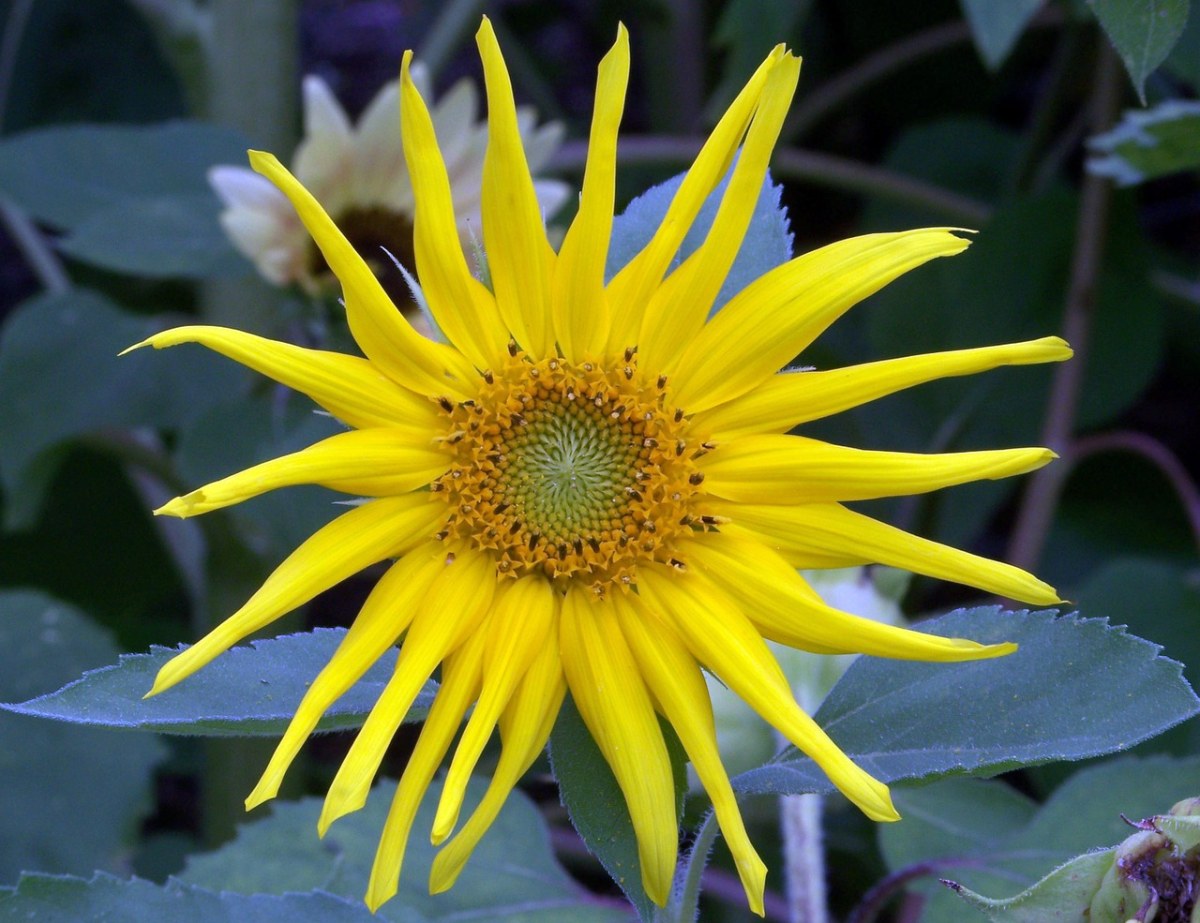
(795, 164)
(252, 85)
(1038, 504)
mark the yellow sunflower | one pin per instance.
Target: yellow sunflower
(590, 486)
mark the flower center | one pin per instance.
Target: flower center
(574, 472)
(371, 230)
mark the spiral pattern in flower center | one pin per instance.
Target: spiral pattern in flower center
(573, 471)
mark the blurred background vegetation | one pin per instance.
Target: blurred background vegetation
(976, 114)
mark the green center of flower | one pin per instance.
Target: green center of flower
(574, 472)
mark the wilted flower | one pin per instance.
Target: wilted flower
(588, 486)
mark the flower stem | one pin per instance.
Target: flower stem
(804, 858)
(1041, 497)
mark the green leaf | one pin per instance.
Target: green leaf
(1076, 688)
(67, 175)
(512, 876)
(250, 690)
(53, 819)
(60, 899)
(995, 841)
(1143, 32)
(1070, 885)
(1150, 143)
(61, 377)
(167, 236)
(767, 244)
(995, 27)
(596, 806)
(133, 199)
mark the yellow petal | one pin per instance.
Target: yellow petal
(791, 398)
(581, 312)
(631, 288)
(455, 607)
(721, 637)
(773, 319)
(348, 387)
(463, 308)
(793, 469)
(784, 608)
(520, 259)
(366, 463)
(520, 623)
(384, 334)
(383, 618)
(525, 727)
(677, 312)
(460, 685)
(368, 533)
(832, 529)
(677, 685)
(615, 706)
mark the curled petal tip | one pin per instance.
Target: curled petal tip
(129, 349)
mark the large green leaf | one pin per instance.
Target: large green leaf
(165, 236)
(132, 199)
(1143, 32)
(68, 174)
(995, 27)
(995, 841)
(512, 876)
(61, 377)
(1155, 142)
(53, 819)
(596, 806)
(250, 690)
(60, 899)
(1076, 688)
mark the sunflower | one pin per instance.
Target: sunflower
(589, 486)
(357, 171)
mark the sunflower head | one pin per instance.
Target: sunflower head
(587, 484)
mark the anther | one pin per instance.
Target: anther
(515, 527)
(578, 545)
(680, 445)
(678, 414)
(500, 508)
(662, 382)
(696, 478)
(445, 404)
(595, 543)
(534, 372)
(562, 550)
(587, 366)
(634, 492)
(441, 536)
(489, 377)
(649, 442)
(649, 526)
(677, 564)
(629, 351)
(456, 474)
(628, 373)
(534, 538)
(517, 420)
(512, 347)
(450, 559)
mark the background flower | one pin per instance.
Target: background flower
(357, 171)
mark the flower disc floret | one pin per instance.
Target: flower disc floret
(579, 472)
